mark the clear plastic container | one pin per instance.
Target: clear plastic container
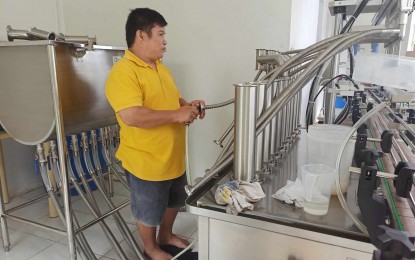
(385, 70)
(317, 180)
(324, 143)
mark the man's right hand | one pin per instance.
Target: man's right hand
(187, 114)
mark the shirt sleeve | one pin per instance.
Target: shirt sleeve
(123, 89)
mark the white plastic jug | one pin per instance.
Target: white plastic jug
(324, 141)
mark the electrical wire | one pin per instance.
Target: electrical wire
(340, 119)
(344, 30)
(184, 250)
(311, 104)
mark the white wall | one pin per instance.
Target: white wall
(303, 33)
(211, 46)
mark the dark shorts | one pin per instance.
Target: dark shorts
(149, 199)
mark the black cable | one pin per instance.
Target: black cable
(341, 114)
(351, 61)
(311, 106)
(344, 117)
(346, 28)
(352, 19)
(345, 112)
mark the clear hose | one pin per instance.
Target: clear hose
(342, 200)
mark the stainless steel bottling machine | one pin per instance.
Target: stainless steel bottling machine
(52, 95)
(373, 217)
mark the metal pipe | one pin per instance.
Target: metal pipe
(13, 34)
(117, 217)
(279, 122)
(273, 124)
(82, 240)
(81, 174)
(95, 159)
(293, 61)
(107, 159)
(60, 135)
(268, 129)
(27, 203)
(40, 34)
(54, 157)
(220, 140)
(3, 224)
(330, 99)
(261, 97)
(103, 225)
(103, 216)
(84, 39)
(306, 76)
(36, 224)
(113, 241)
(245, 115)
(42, 162)
(76, 159)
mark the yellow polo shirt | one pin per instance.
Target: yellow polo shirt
(157, 153)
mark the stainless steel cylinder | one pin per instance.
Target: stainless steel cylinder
(77, 39)
(279, 122)
(245, 117)
(40, 34)
(330, 99)
(261, 95)
(268, 129)
(290, 118)
(273, 123)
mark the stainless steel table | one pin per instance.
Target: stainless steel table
(274, 230)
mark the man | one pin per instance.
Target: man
(152, 117)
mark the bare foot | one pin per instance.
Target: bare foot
(173, 240)
(157, 254)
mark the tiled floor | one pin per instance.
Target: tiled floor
(29, 242)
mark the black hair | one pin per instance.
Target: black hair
(143, 19)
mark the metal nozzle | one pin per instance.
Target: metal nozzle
(13, 34)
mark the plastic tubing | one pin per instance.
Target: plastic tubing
(342, 200)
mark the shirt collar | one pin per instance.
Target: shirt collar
(132, 57)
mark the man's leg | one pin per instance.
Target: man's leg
(151, 248)
(177, 197)
(148, 203)
(166, 236)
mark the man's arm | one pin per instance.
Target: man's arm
(183, 102)
(144, 117)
